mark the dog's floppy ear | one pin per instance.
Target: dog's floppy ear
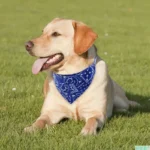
(84, 37)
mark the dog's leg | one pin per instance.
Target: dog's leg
(121, 102)
(47, 119)
(92, 124)
(39, 123)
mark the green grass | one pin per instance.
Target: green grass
(124, 33)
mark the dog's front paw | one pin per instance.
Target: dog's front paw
(88, 131)
(30, 129)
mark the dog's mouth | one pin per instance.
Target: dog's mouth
(43, 63)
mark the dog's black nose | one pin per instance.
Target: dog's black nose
(29, 45)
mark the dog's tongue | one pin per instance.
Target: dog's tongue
(38, 65)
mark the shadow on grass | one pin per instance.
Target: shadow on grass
(144, 101)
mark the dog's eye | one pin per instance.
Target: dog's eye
(55, 34)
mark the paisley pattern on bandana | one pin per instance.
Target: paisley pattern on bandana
(73, 86)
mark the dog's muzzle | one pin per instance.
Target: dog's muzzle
(29, 45)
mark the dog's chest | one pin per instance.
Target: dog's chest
(90, 101)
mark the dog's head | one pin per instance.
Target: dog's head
(60, 39)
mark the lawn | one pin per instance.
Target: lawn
(123, 27)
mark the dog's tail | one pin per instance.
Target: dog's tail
(134, 104)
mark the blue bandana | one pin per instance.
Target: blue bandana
(72, 86)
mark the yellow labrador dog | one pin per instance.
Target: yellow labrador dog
(78, 85)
